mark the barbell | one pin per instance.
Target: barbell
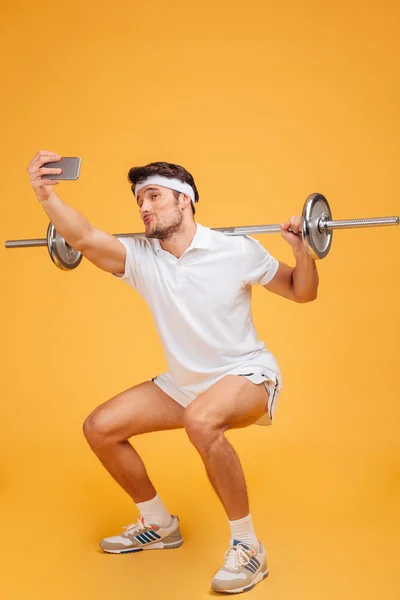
(317, 230)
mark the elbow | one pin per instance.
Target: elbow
(306, 299)
(312, 298)
(82, 243)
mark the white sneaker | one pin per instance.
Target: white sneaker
(243, 568)
(144, 536)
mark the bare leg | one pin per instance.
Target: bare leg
(141, 409)
(233, 402)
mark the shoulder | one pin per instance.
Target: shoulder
(220, 240)
(137, 243)
(242, 245)
(251, 246)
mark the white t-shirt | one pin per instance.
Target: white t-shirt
(201, 302)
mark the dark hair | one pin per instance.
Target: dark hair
(138, 174)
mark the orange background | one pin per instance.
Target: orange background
(264, 103)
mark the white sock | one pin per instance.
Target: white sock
(242, 530)
(154, 511)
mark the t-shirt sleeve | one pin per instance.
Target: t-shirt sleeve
(260, 266)
(130, 274)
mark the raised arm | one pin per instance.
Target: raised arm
(101, 248)
(299, 283)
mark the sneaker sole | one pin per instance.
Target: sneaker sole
(260, 577)
(155, 546)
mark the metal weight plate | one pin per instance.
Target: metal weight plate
(317, 240)
(62, 255)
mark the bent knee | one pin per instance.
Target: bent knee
(200, 426)
(98, 429)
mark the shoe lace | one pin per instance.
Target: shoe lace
(138, 527)
(237, 556)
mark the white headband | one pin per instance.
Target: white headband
(172, 184)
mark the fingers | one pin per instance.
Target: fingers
(37, 172)
(42, 157)
(40, 174)
(294, 225)
(46, 171)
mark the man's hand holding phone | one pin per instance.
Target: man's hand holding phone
(43, 187)
(48, 169)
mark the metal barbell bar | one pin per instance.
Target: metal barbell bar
(317, 229)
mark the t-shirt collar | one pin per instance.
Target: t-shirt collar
(202, 239)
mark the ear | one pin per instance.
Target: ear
(186, 200)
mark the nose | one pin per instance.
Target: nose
(145, 207)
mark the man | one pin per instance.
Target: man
(197, 283)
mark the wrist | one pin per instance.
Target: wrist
(301, 252)
(47, 199)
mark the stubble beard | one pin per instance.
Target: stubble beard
(165, 232)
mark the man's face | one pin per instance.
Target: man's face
(160, 211)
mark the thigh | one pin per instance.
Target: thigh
(231, 403)
(140, 409)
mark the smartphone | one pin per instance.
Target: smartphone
(71, 166)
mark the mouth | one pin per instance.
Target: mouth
(147, 220)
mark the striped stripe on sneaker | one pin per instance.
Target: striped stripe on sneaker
(243, 568)
(144, 536)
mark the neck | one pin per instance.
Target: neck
(180, 241)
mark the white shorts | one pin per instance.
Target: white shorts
(257, 374)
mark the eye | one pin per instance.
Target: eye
(154, 196)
